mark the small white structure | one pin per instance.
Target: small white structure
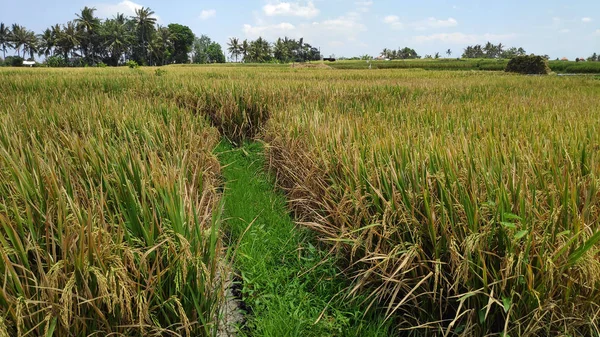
(29, 63)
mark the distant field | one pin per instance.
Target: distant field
(459, 202)
(466, 64)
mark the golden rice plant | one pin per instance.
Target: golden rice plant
(465, 203)
(109, 215)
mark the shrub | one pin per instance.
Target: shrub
(101, 65)
(528, 65)
(56, 61)
(160, 72)
(13, 61)
(132, 64)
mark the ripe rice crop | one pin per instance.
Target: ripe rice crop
(463, 203)
(108, 209)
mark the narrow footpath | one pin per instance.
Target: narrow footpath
(288, 286)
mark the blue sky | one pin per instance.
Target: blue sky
(355, 27)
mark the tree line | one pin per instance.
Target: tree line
(283, 50)
(492, 51)
(89, 40)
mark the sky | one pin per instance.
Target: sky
(357, 27)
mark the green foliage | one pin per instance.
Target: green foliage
(182, 39)
(56, 61)
(132, 64)
(101, 65)
(528, 65)
(492, 51)
(291, 286)
(160, 72)
(405, 53)
(207, 51)
(13, 61)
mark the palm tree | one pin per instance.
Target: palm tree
(30, 44)
(244, 49)
(18, 38)
(145, 26)
(88, 24)
(68, 39)
(46, 42)
(162, 45)
(5, 39)
(116, 38)
(234, 47)
(280, 50)
(449, 52)
(385, 52)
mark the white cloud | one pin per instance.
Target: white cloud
(586, 19)
(433, 23)
(393, 21)
(268, 32)
(338, 32)
(107, 10)
(207, 14)
(461, 38)
(291, 9)
(363, 6)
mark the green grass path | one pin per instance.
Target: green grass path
(287, 281)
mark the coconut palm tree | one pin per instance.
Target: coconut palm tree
(162, 45)
(68, 38)
(244, 49)
(116, 38)
(144, 22)
(449, 52)
(46, 42)
(280, 50)
(5, 39)
(234, 47)
(18, 38)
(88, 24)
(30, 44)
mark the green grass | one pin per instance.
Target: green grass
(287, 281)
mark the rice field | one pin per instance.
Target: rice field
(460, 203)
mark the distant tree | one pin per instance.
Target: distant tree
(88, 25)
(593, 58)
(144, 20)
(214, 53)
(5, 39)
(118, 37)
(437, 56)
(449, 52)
(200, 48)
(259, 51)
(182, 39)
(234, 48)
(163, 47)
(31, 44)
(67, 39)
(244, 47)
(281, 50)
(47, 42)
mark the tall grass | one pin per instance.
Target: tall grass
(109, 215)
